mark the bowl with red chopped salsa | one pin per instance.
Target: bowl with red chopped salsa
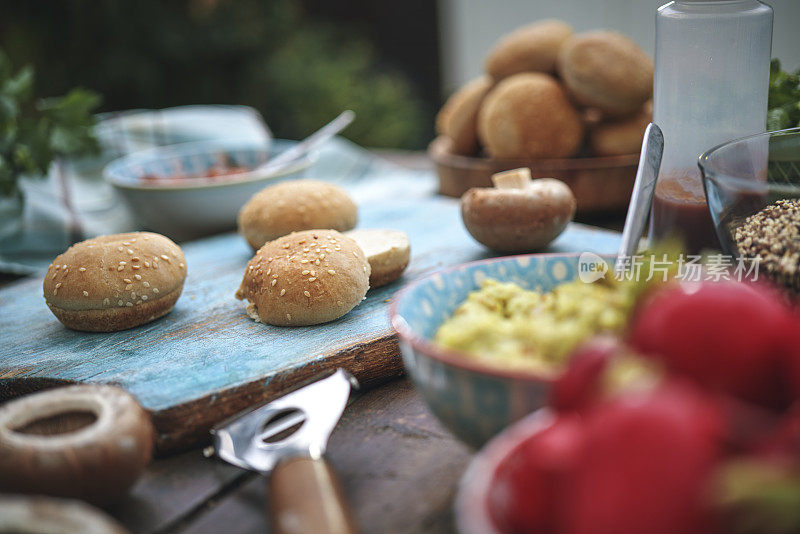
(196, 189)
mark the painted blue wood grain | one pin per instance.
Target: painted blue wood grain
(207, 344)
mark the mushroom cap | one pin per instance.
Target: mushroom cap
(46, 447)
(529, 115)
(606, 70)
(295, 205)
(305, 278)
(518, 220)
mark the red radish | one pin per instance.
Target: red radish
(580, 385)
(791, 358)
(726, 335)
(648, 458)
(746, 423)
(602, 367)
(527, 489)
(782, 440)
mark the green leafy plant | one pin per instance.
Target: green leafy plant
(317, 76)
(34, 132)
(784, 98)
(297, 70)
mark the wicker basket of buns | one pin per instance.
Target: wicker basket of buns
(568, 106)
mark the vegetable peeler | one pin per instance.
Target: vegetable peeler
(304, 493)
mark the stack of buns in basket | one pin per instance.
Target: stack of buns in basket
(550, 93)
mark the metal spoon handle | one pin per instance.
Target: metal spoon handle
(311, 142)
(642, 195)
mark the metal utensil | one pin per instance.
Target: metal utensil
(305, 495)
(308, 144)
(642, 195)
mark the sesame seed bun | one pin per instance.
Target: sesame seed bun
(388, 253)
(305, 278)
(531, 48)
(295, 205)
(606, 70)
(529, 115)
(115, 282)
(459, 116)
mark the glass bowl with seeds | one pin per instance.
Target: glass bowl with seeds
(753, 190)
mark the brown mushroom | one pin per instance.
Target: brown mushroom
(38, 515)
(518, 214)
(88, 442)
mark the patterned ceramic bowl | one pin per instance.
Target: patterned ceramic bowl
(473, 399)
(195, 205)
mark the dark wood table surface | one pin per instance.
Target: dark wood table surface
(399, 467)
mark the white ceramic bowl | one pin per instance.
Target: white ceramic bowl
(194, 207)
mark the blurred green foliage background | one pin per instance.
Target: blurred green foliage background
(299, 73)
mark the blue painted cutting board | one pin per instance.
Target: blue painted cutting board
(207, 360)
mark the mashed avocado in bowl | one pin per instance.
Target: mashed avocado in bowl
(483, 341)
(504, 325)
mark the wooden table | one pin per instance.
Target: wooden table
(399, 468)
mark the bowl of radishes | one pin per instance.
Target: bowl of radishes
(689, 424)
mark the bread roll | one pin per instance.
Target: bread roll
(606, 70)
(459, 115)
(305, 278)
(388, 253)
(115, 282)
(531, 48)
(623, 136)
(295, 205)
(529, 116)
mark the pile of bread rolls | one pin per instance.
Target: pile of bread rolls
(550, 93)
(310, 267)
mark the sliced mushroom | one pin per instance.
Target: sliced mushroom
(44, 515)
(518, 214)
(86, 442)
